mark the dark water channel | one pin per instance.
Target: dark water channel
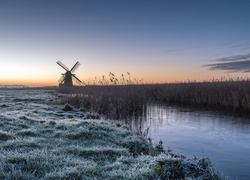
(224, 138)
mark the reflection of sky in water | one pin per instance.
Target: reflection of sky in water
(226, 139)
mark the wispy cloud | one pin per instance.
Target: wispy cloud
(230, 42)
(239, 63)
(173, 50)
(183, 50)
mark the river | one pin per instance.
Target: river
(223, 138)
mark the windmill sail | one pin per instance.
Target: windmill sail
(73, 69)
(61, 79)
(76, 79)
(62, 65)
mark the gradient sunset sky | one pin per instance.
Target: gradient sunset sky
(157, 41)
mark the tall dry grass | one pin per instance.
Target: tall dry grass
(227, 95)
(122, 101)
(116, 102)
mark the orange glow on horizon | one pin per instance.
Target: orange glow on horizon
(197, 76)
(29, 82)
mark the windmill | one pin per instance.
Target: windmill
(66, 79)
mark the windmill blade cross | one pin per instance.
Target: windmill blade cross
(73, 69)
(62, 65)
(78, 81)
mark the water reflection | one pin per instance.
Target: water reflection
(224, 138)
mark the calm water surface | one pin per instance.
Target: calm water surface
(225, 139)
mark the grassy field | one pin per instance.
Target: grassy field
(88, 149)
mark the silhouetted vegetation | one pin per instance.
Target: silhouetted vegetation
(227, 95)
(122, 101)
(115, 102)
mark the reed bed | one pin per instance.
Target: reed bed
(123, 101)
(233, 96)
(116, 102)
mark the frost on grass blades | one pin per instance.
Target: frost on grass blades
(39, 140)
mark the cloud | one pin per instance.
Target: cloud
(172, 50)
(239, 63)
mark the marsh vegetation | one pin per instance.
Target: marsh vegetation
(123, 101)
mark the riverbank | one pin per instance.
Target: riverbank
(86, 149)
(40, 140)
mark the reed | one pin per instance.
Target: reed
(126, 101)
(232, 96)
(116, 102)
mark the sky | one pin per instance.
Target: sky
(155, 41)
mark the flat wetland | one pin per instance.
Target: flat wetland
(87, 132)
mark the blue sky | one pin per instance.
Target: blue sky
(159, 41)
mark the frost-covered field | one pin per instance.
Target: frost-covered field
(38, 140)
